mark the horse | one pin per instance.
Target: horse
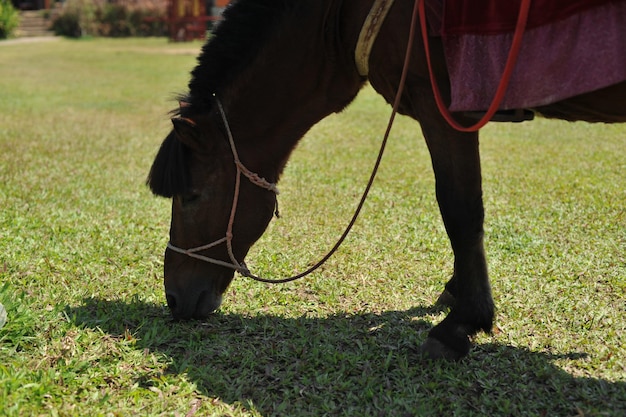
(270, 71)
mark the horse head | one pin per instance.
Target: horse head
(221, 175)
(216, 216)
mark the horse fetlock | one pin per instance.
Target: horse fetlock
(484, 316)
(473, 311)
(446, 299)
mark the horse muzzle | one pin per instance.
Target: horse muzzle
(195, 293)
(195, 305)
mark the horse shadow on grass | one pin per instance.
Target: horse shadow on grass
(364, 364)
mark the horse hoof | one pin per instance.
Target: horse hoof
(435, 350)
(446, 299)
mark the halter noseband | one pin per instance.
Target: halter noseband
(228, 239)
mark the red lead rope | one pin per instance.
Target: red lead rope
(506, 75)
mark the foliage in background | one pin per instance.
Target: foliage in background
(119, 20)
(80, 18)
(9, 19)
(77, 19)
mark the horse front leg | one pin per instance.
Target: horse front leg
(456, 162)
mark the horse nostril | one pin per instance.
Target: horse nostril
(171, 301)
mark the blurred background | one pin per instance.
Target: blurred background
(179, 20)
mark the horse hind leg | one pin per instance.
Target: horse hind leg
(456, 163)
(472, 309)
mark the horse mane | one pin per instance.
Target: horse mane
(232, 48)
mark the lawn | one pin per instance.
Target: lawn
(82, 238)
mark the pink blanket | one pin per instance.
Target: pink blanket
(570, 47)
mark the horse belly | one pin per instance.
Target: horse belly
(604, 105)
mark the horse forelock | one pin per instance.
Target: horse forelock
(169, 174)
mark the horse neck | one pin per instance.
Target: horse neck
(304, 74)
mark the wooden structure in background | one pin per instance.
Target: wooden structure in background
(31, 4)
(188, 19)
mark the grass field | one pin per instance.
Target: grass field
(81, 243)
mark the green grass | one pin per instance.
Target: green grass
(81, 239)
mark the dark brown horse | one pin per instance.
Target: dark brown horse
(271, 70)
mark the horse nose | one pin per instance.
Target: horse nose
(179, 307)
(173, 303)
(199, 306)
(172, 300)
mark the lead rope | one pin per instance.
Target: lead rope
(383, 145)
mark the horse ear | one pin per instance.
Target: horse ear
(187, 132)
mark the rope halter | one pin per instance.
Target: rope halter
(228, 239)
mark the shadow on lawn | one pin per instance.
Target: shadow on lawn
(356, 365)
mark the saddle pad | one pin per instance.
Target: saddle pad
(488, 17)
(576, 47)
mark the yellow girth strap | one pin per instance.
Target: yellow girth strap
(368, 34)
